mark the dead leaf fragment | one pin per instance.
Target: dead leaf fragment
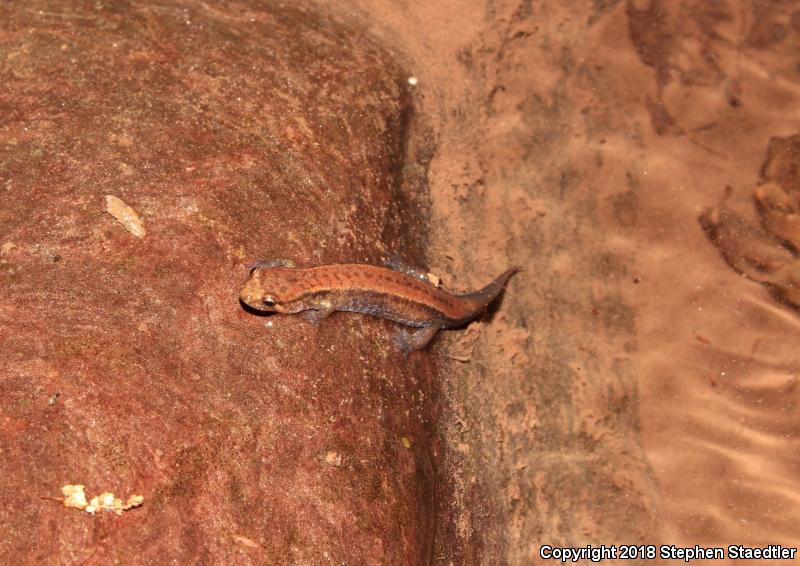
(747, 248)
(786, 282)
(782, 164)
(754, 253)
(780, 214)
(125, 215)
(75, 497)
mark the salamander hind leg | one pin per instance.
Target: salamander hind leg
(397, 264)
(408, 341)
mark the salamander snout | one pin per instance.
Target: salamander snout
(258, 301)
(254, 296)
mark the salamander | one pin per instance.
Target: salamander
(396, 293)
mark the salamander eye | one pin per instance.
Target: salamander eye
(268, 302)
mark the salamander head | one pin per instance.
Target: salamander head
(270, 290)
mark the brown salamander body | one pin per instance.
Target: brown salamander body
(278, 286)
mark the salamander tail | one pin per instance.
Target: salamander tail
(484, 297)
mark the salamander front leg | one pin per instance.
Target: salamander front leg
(408, 341)
(269, 263)
(316, 316)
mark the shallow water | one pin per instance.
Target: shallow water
(718, 387)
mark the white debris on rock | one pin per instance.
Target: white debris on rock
(125, 215)
(75, 498)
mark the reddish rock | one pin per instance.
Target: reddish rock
(235, 130)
